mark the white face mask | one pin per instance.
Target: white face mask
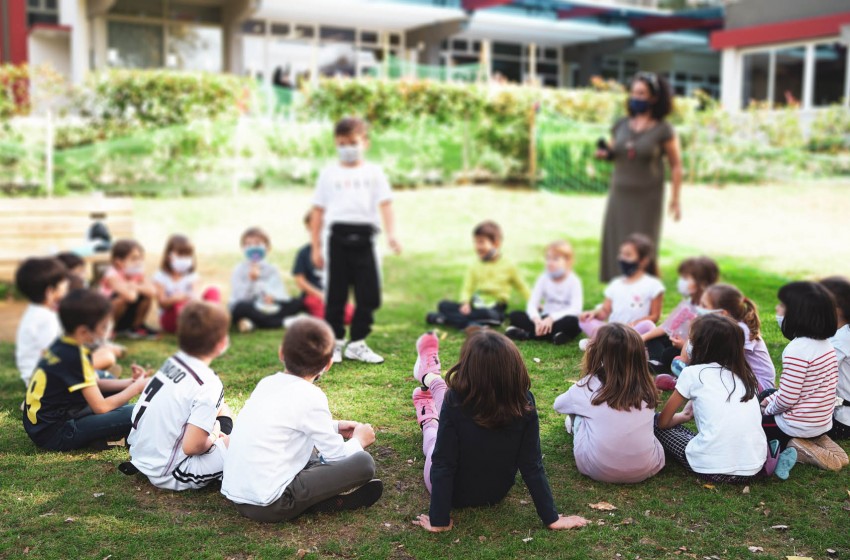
(779, 320)
(350, 154)
(134, 270)
(683, 286)
(689, 350)
(181, 265)
(705, 311)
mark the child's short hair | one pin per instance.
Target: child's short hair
(122, 248)
(257, 232)
(83, 308)
(839, 287)
(809, 311)
(488, 229)
(71, 260)
(562, 249)
(179, 244)
(719, 339)
(740, 308)
(200, 327)
(351, 126)
(307, 347)
(703, 270)
(35, 275)
(645, 249)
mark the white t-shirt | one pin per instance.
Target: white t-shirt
(352, 195)
(182, 285)
(38, 328)
(841, 343)
(730, 439)
(274, 436)
(632, 301)
(183, 391)
(557, 298)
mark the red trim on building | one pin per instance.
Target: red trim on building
(16, 27)
(659, 24)
(581, 11)
(50, 28)
(794, 30)
(481, 4)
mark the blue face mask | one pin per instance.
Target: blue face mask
(255, 253)
(638, 106)
(557, 274)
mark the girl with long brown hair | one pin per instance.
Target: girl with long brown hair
(612, 409)
(479, 426)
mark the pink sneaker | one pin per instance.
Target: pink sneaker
(427, 358)
(424, 405)
(665, 382)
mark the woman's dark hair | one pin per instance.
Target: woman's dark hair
(491, 380)
(809, 311)
(179, 244)
(645, 249)
(839, 287)
(658, 88)
(617, 357)
(732, 301)
(719, 339)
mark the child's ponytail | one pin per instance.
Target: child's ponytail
(750, 318)
(732, 301)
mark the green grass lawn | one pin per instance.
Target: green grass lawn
(78, 505)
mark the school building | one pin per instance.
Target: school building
(552, 42)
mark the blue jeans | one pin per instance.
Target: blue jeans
(80, 432)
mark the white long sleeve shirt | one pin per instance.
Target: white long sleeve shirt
(557, 299)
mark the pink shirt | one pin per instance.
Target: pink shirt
(611, 445)
(113, 272)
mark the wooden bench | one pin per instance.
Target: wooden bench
(31, 227)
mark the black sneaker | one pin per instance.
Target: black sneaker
(435, 319)
(361, 497)
(516, 333)
(145, 332)
(560, 338)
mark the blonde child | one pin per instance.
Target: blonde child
(840, 289)
(479, 426)
(636, 297)
(612, 410)
(131, 294)
(555, 302)
(176, 282)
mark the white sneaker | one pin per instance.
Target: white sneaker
(582, 344)
(338, 346)
(362, 353)
(245, 325)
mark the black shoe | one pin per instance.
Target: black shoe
(435, 319)
(362, 497)
(516, 333)
(560, 338)
(128, 468)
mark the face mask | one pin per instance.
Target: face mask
(181, 265)
(779, 320)
(628, 268)
(255, 253)
(557, 274)
(638, 106)
(705, 311)
(135, 270)
(490, 255)
(350, 154)
(683, 285)
(689, 350)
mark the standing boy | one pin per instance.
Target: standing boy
(350, 195)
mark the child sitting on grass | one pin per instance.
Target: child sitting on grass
(180, 424)
(840, 289)
(555, 302)
(479, 426)
(131, 294)
(176, 282)
(258, 298)
(287, 454)
(612, 410)
(65, 406)
(486, 287)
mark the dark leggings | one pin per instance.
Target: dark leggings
(839, 430)
(352, 265)
(247, 310)
(675, 439)
(567, 325)
(450, 310)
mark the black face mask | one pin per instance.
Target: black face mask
(491, 255)
(628, 268)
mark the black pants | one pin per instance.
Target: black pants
(658, 349)
(247, 310)
(567, 325)
(352, 263)
(450, 310)
(839, 430)
(127, 321)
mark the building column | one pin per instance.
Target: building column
(430, 37)
(730, 80)
(234, 13)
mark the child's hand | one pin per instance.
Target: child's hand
(117, 349)
(424, 521)
(365, 434)
(466, 309)
(346, 428)
(268, 299)
(318, 259)
(543, 326)
(587, 316)
(394, 245)
(254, 272)
(139, 371)
(569, 522)
(138, 385)
(677, 341)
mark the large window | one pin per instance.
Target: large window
(830, 74)
(135, 45)
(756, 81)
(194, 47)
(42, 11)
(788, 76)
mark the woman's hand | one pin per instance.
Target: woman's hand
(676, 209)
(424, 521)
(568, 522)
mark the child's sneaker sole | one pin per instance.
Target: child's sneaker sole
(810, 453)
(786, 462)
(362, 497)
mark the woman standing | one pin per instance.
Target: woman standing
(638, 146)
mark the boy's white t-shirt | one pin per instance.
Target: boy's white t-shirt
(183, 391)
(352, 195)
(632, 301)
(274, 436)
(38, 328)
(182, 285)
(841, 343)
(731, 439)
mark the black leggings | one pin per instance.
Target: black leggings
(567, 325)
(247, 310)
(491, 316)
(352, 264)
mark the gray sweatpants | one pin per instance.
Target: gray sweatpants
(316, 483)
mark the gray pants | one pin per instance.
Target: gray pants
(316, 483)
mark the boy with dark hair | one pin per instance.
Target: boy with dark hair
(65, 408)
(486, 287)
(44, 282)
(181, 423)
(352, 198)
(76, 269)
(271, 470)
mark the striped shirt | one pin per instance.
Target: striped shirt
(804, 402)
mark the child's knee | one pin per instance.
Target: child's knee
(362, 466)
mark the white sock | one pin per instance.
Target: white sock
(428, 378)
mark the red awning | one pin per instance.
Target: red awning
(795, 30)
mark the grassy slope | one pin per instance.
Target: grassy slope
(40, 491)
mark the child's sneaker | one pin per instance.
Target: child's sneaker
(810, 453)
(339, 345)
(560, 338)
(583, 343)
(424, 405)
(826, 442)
(677, 366)
(665, 382)
(427, 356)
(362, 353)
(245, 325)
(361, 497)
(143, 332)
(435, 319)
(787, 460)
(516, 334)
